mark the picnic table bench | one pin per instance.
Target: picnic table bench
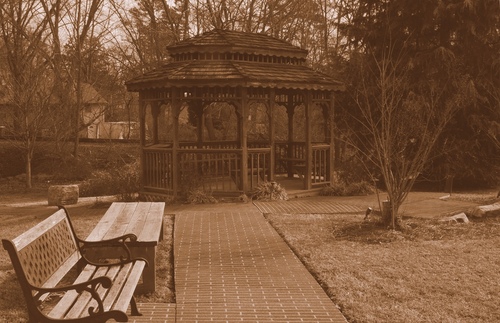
(43, 258)
(145, 221)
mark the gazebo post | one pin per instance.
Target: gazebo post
(308, 141)
(272, 140)
(290, 109)
(331, 118)
(155, 112)
(200, 122)
(244, 138)
(176, 105)
(142, 134)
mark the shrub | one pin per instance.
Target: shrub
(200, 196)
(360, 188)
(123, 181)
(269, 191)
(193, 191)
(342, 189)
(334, 189)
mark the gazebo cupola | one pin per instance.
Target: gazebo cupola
(258, 76)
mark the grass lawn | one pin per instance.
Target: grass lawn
(434, 272)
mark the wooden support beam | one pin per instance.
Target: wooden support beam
(155, 112)
(176, 108)
(290, 109)
(197, 106)
(272, 127)
(142, 134)
(332, 137)
(308, 140)
(244, 139)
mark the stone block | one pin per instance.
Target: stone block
(63, 194)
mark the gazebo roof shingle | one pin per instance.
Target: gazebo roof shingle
(219, 40)
(268, 63)
(235, 73)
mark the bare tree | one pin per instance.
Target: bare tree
(399, 122)
(23, 28)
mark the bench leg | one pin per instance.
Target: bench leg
(133, 307)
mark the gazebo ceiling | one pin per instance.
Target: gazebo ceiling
(235, 59)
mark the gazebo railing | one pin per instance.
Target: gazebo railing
(291, 159)
(320, 173)
(157, 169)
(220, 170)
(215, 170)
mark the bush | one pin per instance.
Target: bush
(342, 189)
(123, 181)
(200, 196)
(12, 161)
(269, 191)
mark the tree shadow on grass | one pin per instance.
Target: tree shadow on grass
(12, 304)
(369, 232)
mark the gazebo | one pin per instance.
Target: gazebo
(266, 83)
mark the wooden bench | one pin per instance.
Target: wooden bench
(44, 258)
(145, 221)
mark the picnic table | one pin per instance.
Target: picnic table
(145, 220)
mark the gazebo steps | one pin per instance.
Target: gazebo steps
(154, 197)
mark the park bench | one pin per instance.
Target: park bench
(45, 258)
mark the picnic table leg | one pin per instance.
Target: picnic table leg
(149, 274)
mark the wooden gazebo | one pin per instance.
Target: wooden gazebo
(258, 76)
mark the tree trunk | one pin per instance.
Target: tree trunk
(28, 171)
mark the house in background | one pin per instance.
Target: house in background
(93, 117)
(93, 112)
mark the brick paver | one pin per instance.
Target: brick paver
(154, 312)
(233, 266)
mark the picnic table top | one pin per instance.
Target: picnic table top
(144, 219)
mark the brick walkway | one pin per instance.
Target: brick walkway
(233, 266)
(305, 206)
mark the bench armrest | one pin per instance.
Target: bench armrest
(88, 286)
(118, 242)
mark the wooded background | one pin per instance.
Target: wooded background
(411, 65)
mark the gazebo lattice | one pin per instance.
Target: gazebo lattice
(242, 70)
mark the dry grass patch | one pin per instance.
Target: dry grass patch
(432, 272)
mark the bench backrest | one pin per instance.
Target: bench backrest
(44, 254)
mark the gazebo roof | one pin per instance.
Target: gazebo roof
(235, 59)
(219, 40)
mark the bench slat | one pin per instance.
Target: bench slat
(153, 223)
(121, 222)
(61, 272)
(41, 228)
(128, 289)
(65, 303)
(80, 307)
(115, 289)
(112, 273)
(106, 222)
(138, 219)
